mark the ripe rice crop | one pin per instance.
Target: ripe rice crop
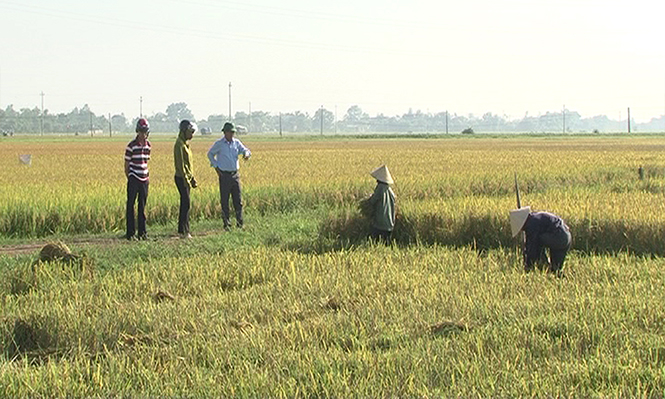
(450, 191)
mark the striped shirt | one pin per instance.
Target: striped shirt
(138, 155)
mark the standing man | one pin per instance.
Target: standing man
(184, 178)
(543, 230)
(381, 205)
(137, 155)
(223, 156)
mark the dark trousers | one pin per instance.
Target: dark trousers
(229, 184)
(136, 188)
(559, 243)
(383, 236)
(185, 203)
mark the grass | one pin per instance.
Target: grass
(367, 321)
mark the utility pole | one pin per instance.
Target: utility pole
(335, 119)
(280, 124)
(110, 127)
(321, 111)
(249, 121)
(628, 119)
(91, 132)
(41, 119)
(446, 121)
(230, 118)
(563, 112)
(141, 107)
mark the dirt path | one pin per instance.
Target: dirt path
(35, 247)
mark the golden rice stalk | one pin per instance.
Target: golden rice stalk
(161, 296)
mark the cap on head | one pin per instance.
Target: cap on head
(142, 126)
(228, 127)
(518, 218)
(186, 125)
(382, 174)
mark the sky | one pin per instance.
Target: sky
(510, 58)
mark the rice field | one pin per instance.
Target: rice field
(300, 304)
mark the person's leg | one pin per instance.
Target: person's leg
(539, 261)
(381, 236)
(237, 199)
(559, 244)
(224, 193)
(143, 198)
(129, 213)
(388, 237)
(183, 214)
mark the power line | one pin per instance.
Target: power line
(289, 12)
(182, 30)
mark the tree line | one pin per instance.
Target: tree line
(84, 121)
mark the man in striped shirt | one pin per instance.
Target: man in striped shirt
(137, 155)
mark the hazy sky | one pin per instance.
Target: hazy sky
(471, 56)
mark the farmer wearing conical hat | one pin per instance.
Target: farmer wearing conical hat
(543, 230)
(382, 205)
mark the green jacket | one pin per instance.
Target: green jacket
(182, 155)
(383, 206)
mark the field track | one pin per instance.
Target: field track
(105, 242)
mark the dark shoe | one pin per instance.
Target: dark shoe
(129, 238)
(557, 272)
(227, 228)
(142, 237)
(239, 225)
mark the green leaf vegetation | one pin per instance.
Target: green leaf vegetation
(300, 303)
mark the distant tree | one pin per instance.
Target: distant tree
(177, 112)
(328, 120)
(492, 123)
(241, 118)
(215, 122)
(296, 122)
(119, 123)
(355, 114)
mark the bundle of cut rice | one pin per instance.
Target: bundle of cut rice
(56, 251)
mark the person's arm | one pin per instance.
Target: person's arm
(532, 247)
(212, 155)
(187, 166)
(128, 158)
(376, 195)
(178, 159)
(244, 150)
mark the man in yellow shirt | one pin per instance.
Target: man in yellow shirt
(184, 178)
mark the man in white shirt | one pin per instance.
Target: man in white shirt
(223, 156)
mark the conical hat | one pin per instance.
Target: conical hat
(382, 174)
(517, 218)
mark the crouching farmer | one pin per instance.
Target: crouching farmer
(543, 230)
(381, 206)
